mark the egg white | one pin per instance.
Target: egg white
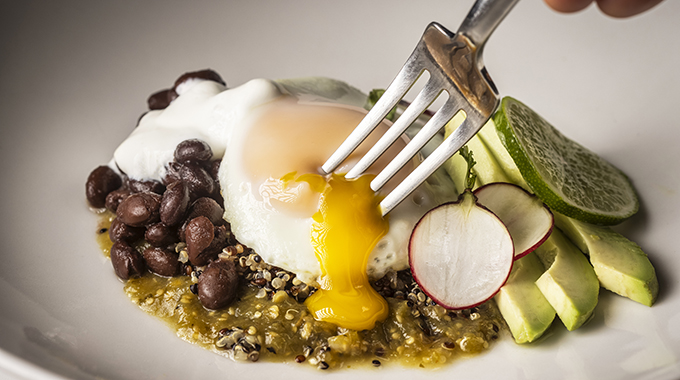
(283, 238)
(224, 118)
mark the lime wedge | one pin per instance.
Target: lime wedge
(569, 178)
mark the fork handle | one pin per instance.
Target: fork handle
(483, 19)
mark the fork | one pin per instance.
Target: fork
(454, 62)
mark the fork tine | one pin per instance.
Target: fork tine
(426, 96)
(448, 148)
(441, 117)
(397, 89)
(456, 60)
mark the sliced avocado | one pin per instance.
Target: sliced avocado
(569, 282)
(523, 306)
(456, 167)
(620, 265)
(486, 167)
(493, 143)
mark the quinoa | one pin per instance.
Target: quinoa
(269, 321)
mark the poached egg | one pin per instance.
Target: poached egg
(325, 229)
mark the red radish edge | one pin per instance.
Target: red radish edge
(540, 241)
(416, 276)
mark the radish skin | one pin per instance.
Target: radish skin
(460, 253)
(527, 218)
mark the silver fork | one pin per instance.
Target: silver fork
(454, 62)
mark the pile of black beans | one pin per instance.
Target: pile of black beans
(185, 208)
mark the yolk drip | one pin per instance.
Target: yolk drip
(345, 230)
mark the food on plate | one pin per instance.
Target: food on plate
(217, 218)
(569, 282)
(486, 169)
(526, 311)
(569, 178)
(528, 220)
(619, 264)
(252, 253)
(461, 253)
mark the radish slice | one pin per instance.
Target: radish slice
(529, 221)
(460, 253)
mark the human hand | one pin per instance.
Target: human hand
(614, 8)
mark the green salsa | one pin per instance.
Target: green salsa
(274, 325)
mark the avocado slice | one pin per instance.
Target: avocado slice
(620, 265)
(569, 282)
(486, 167)
(523, 306)
(493, 142)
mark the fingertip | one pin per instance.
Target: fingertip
(625, 8)
(568, 6)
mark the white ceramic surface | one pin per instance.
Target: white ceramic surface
(74, 77)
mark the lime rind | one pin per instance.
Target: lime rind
(568, 177)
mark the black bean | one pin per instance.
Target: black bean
(193, 150)
(139, 209)
(199, 181)
(217, 196)
(174, 203)
(162, 261)
(217, 285)
(161, 99)
(160, 235)
(127, 262)
(115, 197)
(172, 95)
(218, 243)
(172, 173)
(200, 233)
(100, 183)
(211, 251)
(152, 186)
(209, 208)
(206, 74)
(214, 168)
(181, 231)
(120, 231)
(204, 241)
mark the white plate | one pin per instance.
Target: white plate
(75, 77)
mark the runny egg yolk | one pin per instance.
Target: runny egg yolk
(339, 219)
(346, 228)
